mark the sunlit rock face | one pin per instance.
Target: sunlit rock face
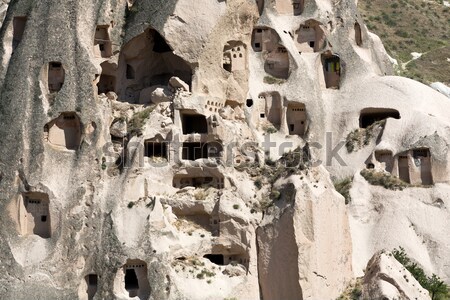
(188, 150)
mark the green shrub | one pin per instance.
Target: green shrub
(236, 206)
(401, 33)
(391, 23)
(131, 204)
(297, 158)
(361, 137)
(205, 273)
(356, 293)
(383, 179)
(265, 203)
(436, 287)
(275, 194)
(353, 291)
(273, 80)
(258, 183)
(137, 121)
(104, 163)
(270, 129)
(343, 187)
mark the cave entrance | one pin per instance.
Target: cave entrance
(310, 37)
(147, 61)
(422, 161)
(64, 131)
(296, 119)
(358, 34)
(403, 168)
(91, 282)
(234, 56)
(272, 108)
(332, 70)
(102, 43)
(131, 280)
(385, 157)
(154, 149)
(277, 63)
(217, 259)
(18, 30)
(368, 116)
(194, 151)
(56, 76)
(37, 216)
(194, 123)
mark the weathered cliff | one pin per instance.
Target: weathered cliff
(184, 150)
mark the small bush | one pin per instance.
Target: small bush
(357, 139)
(104, 163)
(265, 203)
(270, 129)
(205, 273)
(343, 187)
(275, 194)
(137, 121)
(131, 204)
(236, 206)
(356, 293)
(273, 80)
(353, 291)
(258, 183)
(361, 137)
(437, 288)
(383, 179)
(297, 158)
(208, 273)
(401, 33)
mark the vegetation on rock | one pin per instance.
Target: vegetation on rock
(272, 80)
(343, 187)
(437, 288)
(353, 291)
(361, 137)
(137, 121)
(383, 179)
(407, 26)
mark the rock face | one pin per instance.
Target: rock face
(386, 278)
(441, 88)
(3, 8)
(307, 219)
(179, 149)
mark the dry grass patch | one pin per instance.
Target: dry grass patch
(384, 179)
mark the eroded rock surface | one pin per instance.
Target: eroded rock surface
(386, 278)
(178, 149)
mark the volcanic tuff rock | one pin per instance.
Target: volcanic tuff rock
(386, 278)
(135, 158)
